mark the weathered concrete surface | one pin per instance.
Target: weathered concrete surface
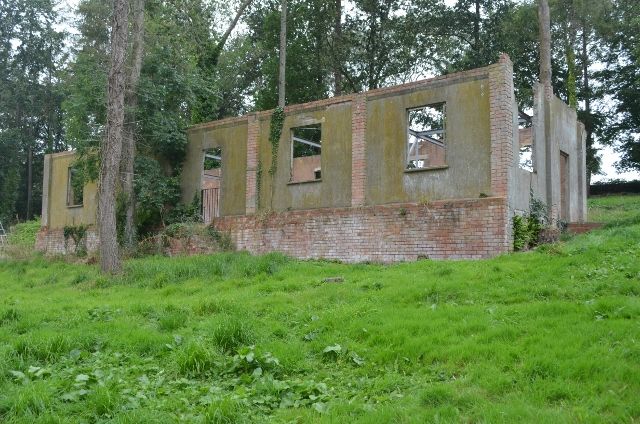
(55, 212)
(334, 189)
(468, 145)
(232, 139)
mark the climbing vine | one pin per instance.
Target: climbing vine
(258, 183)
(277, 121)
(78, 234)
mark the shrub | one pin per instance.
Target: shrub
(24, 234)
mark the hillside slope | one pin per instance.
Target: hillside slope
(551, 335)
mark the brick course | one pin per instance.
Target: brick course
(358, 151)
(468, 228)
(52, 241)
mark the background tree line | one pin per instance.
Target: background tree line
(192, 69)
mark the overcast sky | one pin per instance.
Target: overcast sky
(609, 156)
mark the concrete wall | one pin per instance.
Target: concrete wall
(334, 188)
(231, 137)
(555, 129)
(468, 141)
(55, 212)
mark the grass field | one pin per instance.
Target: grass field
(551, 335)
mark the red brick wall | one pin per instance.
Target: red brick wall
(358, 152)
(468, 228)
(252, 163)
(51, 241)
(501, 116)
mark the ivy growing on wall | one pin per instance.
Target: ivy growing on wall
(78, 234)
(258, 183)
(277, 121)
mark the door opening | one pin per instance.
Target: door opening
(211, 184)
(564, 186)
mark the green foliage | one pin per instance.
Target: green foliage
(24, 234)
(527, 228)
(78, 234)
(155, 193)
(275, 133)
(258, 184)
(31, 57)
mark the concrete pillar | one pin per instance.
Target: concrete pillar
(501, 102)
(46, 179)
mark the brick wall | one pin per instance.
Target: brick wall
(52, 241)
(469, 228)
(253, 133)
(358, 152)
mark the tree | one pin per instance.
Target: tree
(544, 23)
(30, 56)
(129, 131)
(622, 82)
(283, 54)
(111, 147)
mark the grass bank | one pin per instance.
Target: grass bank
(551, 335)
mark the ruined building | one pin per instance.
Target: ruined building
(435, 169)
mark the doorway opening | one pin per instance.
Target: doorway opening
(564, 187)
(211, 184)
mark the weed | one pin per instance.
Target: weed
(232, 337)
(232, 333)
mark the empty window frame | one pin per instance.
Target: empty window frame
(525, 136)
(306, 152)
(75, 187)
(426, 137)
(211, 184)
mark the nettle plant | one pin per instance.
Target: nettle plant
(527, 228)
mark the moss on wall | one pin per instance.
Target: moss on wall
(334, 189)
(232, 138)
(468, 142)
(61, 215)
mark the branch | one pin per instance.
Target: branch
(218, 49)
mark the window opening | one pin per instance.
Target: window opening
(75, 187)
(426, 137)
(525, 135)
(306, 152)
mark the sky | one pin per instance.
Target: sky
(608, 156)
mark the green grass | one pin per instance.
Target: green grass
(551, 335)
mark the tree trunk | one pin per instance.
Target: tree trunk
(337, 75)
(111, 146)
(544, 24)
(476, 34)
(129, 143)
(587, 100)
(283, 55)
(30, 181)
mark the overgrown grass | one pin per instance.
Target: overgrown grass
(551, 335)
(24, 234)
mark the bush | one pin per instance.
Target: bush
(24, 234)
